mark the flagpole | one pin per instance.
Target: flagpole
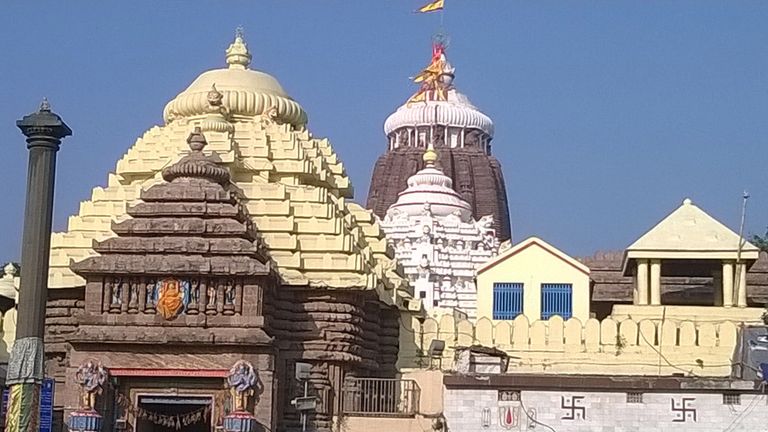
(442, 16)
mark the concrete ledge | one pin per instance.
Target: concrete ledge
(696, 314)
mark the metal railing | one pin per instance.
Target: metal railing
(380, 397)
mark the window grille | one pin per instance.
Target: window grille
(731, 399)
(507, 300)
(556, 299)
(635, 397)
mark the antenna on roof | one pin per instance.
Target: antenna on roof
(740, 268)
(744, 197)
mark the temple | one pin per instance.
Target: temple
(223, 280)
(440, 114)
(223, 248)
(437, 241)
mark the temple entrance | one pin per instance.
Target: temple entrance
(174, 413)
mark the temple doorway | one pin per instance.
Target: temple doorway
(174, 413)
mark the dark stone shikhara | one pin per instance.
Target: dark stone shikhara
(477, 177)
(187, 285)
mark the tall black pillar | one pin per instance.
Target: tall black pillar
(44, 131)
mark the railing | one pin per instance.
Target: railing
(380, 397)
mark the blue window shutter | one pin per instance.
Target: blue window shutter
(507, 300)
(556, 299)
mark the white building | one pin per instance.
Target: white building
(437, 241)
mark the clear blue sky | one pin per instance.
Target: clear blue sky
(608, 113)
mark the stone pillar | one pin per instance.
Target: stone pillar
(26, 370)
(321, 419)
(727, 283)
(741, 297)
(655, 282)
(717, 286)
(642, 282)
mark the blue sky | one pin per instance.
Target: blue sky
(607, 114)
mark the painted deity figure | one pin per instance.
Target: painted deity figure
(211, 300)
(242, 384)
(171, 299)
(117, 291)
(194, 292)
(133, 294)
(91, 377)
(151, 294)
(229, 293)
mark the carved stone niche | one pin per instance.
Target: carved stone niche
(143, 295)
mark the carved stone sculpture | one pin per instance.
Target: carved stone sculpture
(91, 376)
(242, 384)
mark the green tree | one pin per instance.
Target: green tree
(760, 241)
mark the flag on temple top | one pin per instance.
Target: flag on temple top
(432, 6)
(419, 96)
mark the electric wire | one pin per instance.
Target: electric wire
(525, 410)
(751, 407)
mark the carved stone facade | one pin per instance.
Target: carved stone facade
(194, 269)
(438, 241)
(186, 289)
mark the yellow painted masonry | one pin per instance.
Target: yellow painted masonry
(627, 347)
(533, 262)
(294, 186)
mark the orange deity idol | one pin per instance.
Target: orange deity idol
(171, 299)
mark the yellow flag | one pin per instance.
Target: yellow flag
(419, 96)
(433, 6)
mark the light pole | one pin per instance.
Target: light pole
(44, 131)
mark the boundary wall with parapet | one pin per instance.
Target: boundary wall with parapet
(627, 347)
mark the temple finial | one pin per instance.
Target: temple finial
(196, 140)
(430, 156)
(45, 106)
(238, 56)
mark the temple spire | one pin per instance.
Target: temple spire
(238, 56)
(196, 165)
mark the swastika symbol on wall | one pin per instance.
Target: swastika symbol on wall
(683, 410)
(574, 410)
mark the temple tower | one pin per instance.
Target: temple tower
(438, 113)
(223, 247)
(438, 242)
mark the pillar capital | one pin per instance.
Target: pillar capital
(44, 127)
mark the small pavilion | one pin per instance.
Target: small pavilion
(690, 243)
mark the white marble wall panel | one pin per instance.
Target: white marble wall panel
(482, 411)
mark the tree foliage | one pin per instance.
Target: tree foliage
(760, 241)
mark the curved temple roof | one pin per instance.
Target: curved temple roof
(294, 185)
